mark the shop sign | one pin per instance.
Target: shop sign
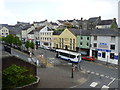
(103, 50)
(103, 45)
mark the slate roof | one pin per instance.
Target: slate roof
(61, 21)
(32, 32)
(83, 32)
(97, 32)
(13, 29)
(93, 19)
(22, 22)
(57, 32)
(40, 22)
(2, 25)
(25, 27)
(39, 28)
(106, 32)
(54, 23)
(106, 22)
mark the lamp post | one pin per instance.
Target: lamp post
(72, 71)
(79, 58)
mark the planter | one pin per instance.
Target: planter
(31, 85)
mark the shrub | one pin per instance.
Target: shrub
(15, 76)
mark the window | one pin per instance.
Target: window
(81, 43)
(81, 38)
(111, 55)
(87, 38)
(87, 44)
(2, 33)
(6, 33)
(112, 38)
(112, 47)
(95, 45)
(95, 37)
(103, 54)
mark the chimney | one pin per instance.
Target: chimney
(100, 17)
(81, 19)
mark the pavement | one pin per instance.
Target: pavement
(60, 77)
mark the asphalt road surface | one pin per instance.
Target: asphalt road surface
(99, 75)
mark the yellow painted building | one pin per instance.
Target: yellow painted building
(65, 40)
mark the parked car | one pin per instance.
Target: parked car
(88, 58)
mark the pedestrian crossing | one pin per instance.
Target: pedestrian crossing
(98, 74)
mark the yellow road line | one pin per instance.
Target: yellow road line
(44, 61)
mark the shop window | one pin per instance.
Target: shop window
(103, 54)
(111, 55)
(112, 47)
(95, 44)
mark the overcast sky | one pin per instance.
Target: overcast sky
(12, 11)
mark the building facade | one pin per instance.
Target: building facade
(104, 45)
(45, 36)
(4, 32)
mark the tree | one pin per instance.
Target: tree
(27, 44)
(31, 45)
(112, 25)
(9, 39)
(19, 43)
(14, 41)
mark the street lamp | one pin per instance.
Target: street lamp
(79, 58)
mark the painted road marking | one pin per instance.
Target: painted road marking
(92, 72)
(93, 84)
(107, 76)
(111, 82)
(88, 71)
(97, 74)
(102, 75)
(112, 78)
(104, 87)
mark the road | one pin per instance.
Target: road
(99, 75)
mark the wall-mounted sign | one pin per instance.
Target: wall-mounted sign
(116, 57)
(103, 50)
(103, 45)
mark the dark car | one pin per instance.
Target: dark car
(88, 58)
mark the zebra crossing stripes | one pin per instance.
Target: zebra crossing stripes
(102, 75)
(107, 76)
(98, 74)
